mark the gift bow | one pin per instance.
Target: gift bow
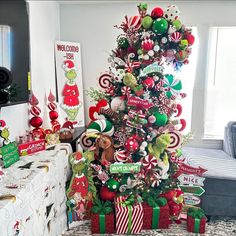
(127, 202)
(102, 208)
(153, 202)
(196, 213)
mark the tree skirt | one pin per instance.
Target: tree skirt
(217, 226)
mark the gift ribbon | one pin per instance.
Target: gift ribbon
(155, 217)
(196, 225)
(129, 218)
(102, 223)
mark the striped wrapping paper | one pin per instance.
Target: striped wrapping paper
(129, 219)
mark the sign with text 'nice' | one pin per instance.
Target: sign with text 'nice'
(191, 180)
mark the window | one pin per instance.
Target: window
(221, 81)
(5, 46)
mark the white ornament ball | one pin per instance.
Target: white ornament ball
(172, 13)
(146, 57)
(156, 48)
(151, 119)
(151, 53)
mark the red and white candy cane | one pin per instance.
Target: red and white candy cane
(125, 90)
(175, 140)
(149, 162)
(131, 25)
(111, 90)
(178, 110)
(129, 66)
(181, 122)
(105, 80)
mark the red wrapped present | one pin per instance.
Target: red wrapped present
(196, 220)
(102, 224)
(129, 215)
(156, 214)
(102, 218)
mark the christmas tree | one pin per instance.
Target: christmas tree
(135, 128)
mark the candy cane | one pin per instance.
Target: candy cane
(181, 122)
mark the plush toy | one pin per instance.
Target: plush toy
(161, 143)
(118, 103)
(175, 200)
(105, 144)
(66, 132)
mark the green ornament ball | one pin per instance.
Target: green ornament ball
(140, 51)
(113, 185)
(177, 24)
(161, 119)
(160, 26)
(147, 22)
(123, 43)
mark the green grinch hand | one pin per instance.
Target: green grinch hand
(162, 142)
(130, 81)
(142, 6)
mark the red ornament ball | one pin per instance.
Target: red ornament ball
(36, 121)
(157, 13)
(53, 115)
(131, 145)
(149, 82)
(106, 194)
(35, 111)
(190, 38)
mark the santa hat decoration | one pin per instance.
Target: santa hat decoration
(68, 65)
(78, 158)
(68, 125)
(2, 124)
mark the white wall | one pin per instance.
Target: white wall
(92, 23)
(44, 29)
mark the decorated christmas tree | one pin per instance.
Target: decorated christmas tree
(135, 128)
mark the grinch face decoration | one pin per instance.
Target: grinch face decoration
(71, 75)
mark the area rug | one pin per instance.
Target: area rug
(216, 227)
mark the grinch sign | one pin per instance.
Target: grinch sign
(69, 81)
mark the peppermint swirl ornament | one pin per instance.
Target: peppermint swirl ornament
(121, 156)
(125, 90)
(85, 142)
(105, 81)
(149, 162)
(175, 140)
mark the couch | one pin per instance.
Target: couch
(219, 198)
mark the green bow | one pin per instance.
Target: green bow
(196, 213)
(142, 6)
(102, 208)
(128, 202)
(153, 202)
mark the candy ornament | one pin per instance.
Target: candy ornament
(35, 111)
(121, 156)
(172, 86)
(178, 110)
(149, 162)
(181, 55)
(105, 80)
(147, 44)
(180, 122)
(175, 141)
(175, 37)
(101, 126)
(149, 83)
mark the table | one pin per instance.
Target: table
(32, 194)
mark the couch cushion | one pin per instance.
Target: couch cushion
(218, 164)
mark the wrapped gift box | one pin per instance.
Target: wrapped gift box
(102, 224)
(156, 217)
(196, 221)
(129, 218)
